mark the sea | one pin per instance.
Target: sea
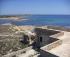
(40, 20)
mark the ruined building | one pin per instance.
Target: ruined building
(47, 39)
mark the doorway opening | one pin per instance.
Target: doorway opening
(41, 39)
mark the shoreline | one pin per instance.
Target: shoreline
(16, 19)
(29, 27)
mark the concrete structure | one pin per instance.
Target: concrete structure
(45, 36)
(47, 39)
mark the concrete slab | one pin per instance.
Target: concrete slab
(64, 49)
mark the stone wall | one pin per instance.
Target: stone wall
(44, 31)
(57, 35)
(45, 34)
(45, 40)
(44, 51)
(52, 45)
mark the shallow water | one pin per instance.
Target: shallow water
(60, 20)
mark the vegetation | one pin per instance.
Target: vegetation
(10, 44)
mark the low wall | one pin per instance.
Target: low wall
(52, 45)
(45, 50)
(17, 52)
(57, 35)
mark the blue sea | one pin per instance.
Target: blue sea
(39, 20)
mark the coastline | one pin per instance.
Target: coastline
(16, 19)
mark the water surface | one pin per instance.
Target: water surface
(38, 20)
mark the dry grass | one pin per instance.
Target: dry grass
(10, 44)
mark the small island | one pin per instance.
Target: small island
(16, 18)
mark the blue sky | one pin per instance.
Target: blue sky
(34, 7)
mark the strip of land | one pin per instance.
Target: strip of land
(14, 18)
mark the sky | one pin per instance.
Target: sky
(9, 7)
